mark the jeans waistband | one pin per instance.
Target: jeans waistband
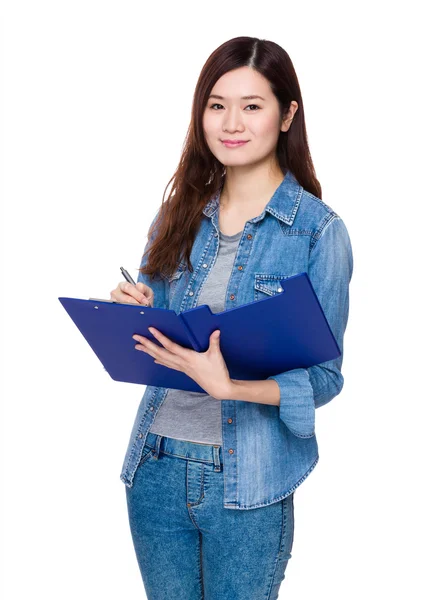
(207, 453)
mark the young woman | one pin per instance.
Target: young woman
(210, 477)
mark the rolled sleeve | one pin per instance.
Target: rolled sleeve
(330, 272)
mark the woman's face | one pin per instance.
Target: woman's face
(254, 120)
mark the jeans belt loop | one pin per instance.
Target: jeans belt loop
(157, 446)
(216, 456)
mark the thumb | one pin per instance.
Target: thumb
(215, 338)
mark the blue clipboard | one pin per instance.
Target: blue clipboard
(258, 339)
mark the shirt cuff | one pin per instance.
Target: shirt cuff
(297, 405)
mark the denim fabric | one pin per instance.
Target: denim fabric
(268, 450)
(187, 545)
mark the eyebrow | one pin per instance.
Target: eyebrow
(242, 97)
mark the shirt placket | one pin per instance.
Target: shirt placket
(229, 407)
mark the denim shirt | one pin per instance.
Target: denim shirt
(268, 450)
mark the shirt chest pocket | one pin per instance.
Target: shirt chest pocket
(174, 280)
(268, 284)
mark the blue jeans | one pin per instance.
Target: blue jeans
(188, 546)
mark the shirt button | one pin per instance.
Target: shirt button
(204, 265)
(229, 420)
(216, 235)
(232, 297)
(152, 408)
(140, 435)
(231, 451)
(190, 293)
(249, 236)
(240, 268)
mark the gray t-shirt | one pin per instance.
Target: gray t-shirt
(195, 416)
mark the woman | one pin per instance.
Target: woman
(210, 477)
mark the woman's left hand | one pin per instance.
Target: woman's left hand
(208, 369)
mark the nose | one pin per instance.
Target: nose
(233, 120)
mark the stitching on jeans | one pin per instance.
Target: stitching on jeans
(279, 553)
(145, 458)
(202, 489)
(202, 590)
(202, 460)
(284, 524)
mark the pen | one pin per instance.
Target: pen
(127, 276)
(131, 280)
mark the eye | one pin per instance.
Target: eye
(216, 104)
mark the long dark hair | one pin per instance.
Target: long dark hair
(200, 175)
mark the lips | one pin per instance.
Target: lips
(234, 143)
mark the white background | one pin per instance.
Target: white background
(96, 104)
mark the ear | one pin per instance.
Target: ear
(289, 116)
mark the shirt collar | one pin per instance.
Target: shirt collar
(283, 204)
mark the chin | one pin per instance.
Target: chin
(232, 161)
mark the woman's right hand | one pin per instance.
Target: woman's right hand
(134, 294)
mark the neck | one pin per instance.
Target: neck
(247, 188)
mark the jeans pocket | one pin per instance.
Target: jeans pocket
(146, 454)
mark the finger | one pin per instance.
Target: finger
(171, 346)
(140, 292)
(163, 356)
(147, 292)
(127, 292)
(121, 295)
(168, 365)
